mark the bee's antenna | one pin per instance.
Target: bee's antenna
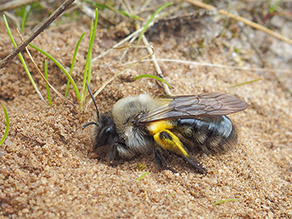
(92, 97)
(89, 123)
(97, 111)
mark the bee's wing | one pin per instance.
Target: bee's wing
(210, 104)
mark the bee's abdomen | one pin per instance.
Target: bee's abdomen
(211, 134)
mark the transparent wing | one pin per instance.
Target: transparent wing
(210, 104)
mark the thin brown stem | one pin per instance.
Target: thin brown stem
(41, 27)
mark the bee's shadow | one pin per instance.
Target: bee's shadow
(171, 162)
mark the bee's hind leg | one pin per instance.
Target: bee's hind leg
(160, 161)
(195, 164)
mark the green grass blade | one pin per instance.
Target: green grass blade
(7, 125)
(141, 166)
(47, 86)
(134, 17)
(172, 194)
(25, 11)
(151, 19)
(87, 69)
(61, 68)
(226, 200)
(85, 74)
(22, 60)
(245, 83)
(153, 76)
(274, 6)
(73, 62)
(142, 176)
(104, 6)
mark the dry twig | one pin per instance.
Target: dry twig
(38, 30)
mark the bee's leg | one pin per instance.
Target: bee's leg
(99, 152)
(160, 161)
(109, 152)
(196, 164)
(119, 151)
(112, 154)
(169, 141)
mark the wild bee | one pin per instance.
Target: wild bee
(145, 125)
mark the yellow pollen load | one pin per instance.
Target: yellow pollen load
(159, 126)
(165, 138)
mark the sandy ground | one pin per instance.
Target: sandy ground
(46, 170)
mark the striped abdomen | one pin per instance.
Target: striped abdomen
(210, 134)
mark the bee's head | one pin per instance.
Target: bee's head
(105, 130)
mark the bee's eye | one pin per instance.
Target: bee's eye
(108, 130)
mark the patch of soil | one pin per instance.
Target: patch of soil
(46, 170)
